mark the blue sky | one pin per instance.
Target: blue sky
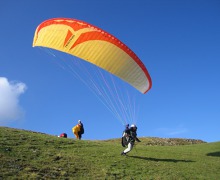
(178, 41)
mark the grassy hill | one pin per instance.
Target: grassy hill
(32, 155)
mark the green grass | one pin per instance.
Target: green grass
(31, 155)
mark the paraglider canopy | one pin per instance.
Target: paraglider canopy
(96, 46)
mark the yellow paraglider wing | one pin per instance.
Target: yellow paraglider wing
(96, 46)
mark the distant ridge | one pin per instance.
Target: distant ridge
(150, 141)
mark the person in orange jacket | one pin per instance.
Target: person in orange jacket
(76, 129)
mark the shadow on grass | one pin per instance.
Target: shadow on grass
(157, 159)
(216, 154)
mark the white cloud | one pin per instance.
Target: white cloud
(9, 100)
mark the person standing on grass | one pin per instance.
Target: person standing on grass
(131, 136)
(76, 131)
(81, 129)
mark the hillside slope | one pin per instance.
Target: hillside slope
(31, 155)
